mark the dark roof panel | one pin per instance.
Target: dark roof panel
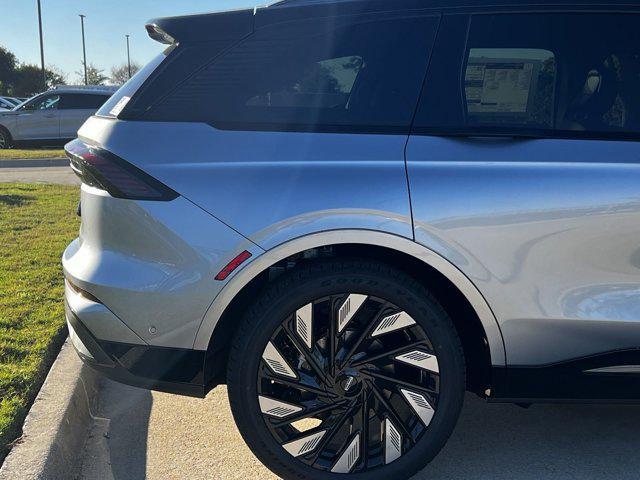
(458, 3)
(288, 10)
(229, 25)
(236, 24)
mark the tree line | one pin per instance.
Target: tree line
(18, 79)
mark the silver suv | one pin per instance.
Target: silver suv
(350, 212)
(53, 116)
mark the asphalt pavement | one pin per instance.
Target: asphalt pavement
(138, 434)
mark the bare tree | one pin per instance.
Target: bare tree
(120, 73)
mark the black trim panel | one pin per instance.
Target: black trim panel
(570, 382)
(524, 134)
(172, 370)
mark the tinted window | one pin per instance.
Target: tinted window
(76, 101)
(541, 74)
(124, 94)
(347, 73)
(324, 84)
(49, 102)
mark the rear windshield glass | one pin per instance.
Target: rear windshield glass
(120, 99)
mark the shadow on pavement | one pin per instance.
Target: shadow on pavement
(160, 436)
(545, 442)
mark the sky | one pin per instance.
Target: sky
(106, 24)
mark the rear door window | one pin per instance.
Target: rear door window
(540, 74)
(348, 74)
(48, 102)
(78, 101)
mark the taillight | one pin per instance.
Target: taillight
(102, 169)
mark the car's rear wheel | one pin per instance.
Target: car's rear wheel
(346, 367)
(5, 139)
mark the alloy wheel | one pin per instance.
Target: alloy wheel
(348, 383)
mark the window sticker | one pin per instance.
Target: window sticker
(498, 86)
(115, 111)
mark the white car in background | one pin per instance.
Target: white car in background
(51, 117)
(6, 104)
(13, 100)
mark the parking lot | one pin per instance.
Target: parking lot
(138, 434)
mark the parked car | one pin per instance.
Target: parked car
(351, 212)
(54, 116)
(5, 104)
(11, 100)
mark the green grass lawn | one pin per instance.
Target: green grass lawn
(36, 223)
(12, 153)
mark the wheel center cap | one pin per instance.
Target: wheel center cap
(349, 384)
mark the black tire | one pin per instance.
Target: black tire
(324, 279)
(5, 139)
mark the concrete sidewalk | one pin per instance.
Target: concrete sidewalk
(159, 436)
(33, 162)
(57, 175)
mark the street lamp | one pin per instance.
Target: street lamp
(128, 55)
(44, 73)
(84, 50)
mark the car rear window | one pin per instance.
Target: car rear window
(118, 101)
(358, 73)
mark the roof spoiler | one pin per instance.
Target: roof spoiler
(223, 26)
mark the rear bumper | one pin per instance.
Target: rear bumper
(172, 370)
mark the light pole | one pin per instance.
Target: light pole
(128, 56)
(84, 50)
(44, 73)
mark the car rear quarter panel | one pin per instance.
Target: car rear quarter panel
(271, 186)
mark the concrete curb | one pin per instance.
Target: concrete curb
(34, 163)
(58, 423)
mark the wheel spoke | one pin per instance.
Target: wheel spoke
(300, 386)
(308, 356)
(333, 341)
(396, 382)
(363, 335)
(308, 412)
(390, 411)
(364, 441)
(333, 430)
(388, 353)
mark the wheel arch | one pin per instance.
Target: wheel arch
(472, 316)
